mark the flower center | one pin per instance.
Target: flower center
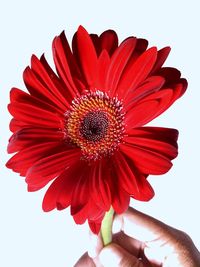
(94, 126)
(95, 123)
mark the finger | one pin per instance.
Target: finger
(131, 245)
(115, 256)
(95, 245)
(142, 227)
(85, 261)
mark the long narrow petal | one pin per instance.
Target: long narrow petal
(87, 55)
(27, 157)
(120, 198)
(46, 80)
(148, 108)
(146, 160)
(161, 57)
(74, 68)
(33, 115)
(156, 139)
(140, 48)
(102, 69)
(138, 71)
(62, 62)
(51, 166)
(100, 190)
(118, 62)
(133, 182)
(19, 96)
(39, 90)
(80, 195)
(51, 195)
(27, 137)
(150, 85)
(60, 191)
(95, 217)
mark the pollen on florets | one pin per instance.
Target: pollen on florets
(95, 123)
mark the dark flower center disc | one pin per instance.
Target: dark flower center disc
(94, 126)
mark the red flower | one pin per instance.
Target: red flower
(83, 128)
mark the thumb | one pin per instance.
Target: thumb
(115, 256)
(143, 227)
(159, 240)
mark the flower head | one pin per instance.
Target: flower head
(83, 128)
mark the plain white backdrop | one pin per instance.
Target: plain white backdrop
(30, 237)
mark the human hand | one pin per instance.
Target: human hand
(142, 241)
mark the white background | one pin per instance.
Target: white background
(30, 237)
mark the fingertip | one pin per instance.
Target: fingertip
(117, 224)
(114, 255)
(141, 226)
(94, 245)
(110, 256)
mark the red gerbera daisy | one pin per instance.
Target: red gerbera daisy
(83, 128)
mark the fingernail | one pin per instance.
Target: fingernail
(117, 224)
(108, 257)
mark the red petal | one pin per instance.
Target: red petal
(120, 198)
(141, 46)
(171, 75)
(72, 176)
(138, 71)
(51, 166)
(95, 217)
(146, 160)
(118, 62)
(28, 137)
(100, 190)
(46, 81)
(33, 115)
(96, 42)
(80, 195)
(148, 108)
(37, 89)
(132, 182)
(81, 216)
(160, 140)
(50, 198)
(178, 89)
(95, 213)
(16, 125)
(60, 191)
(74, 68)
(168, 135)
(61, 60)
(151, 85)
(87, 55)
(19, 96)
(109, 41)
(161, 57)
(102, 68)
(25, 158)
(95, 227)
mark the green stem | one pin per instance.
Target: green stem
(106, 227)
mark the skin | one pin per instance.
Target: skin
(141, 241)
